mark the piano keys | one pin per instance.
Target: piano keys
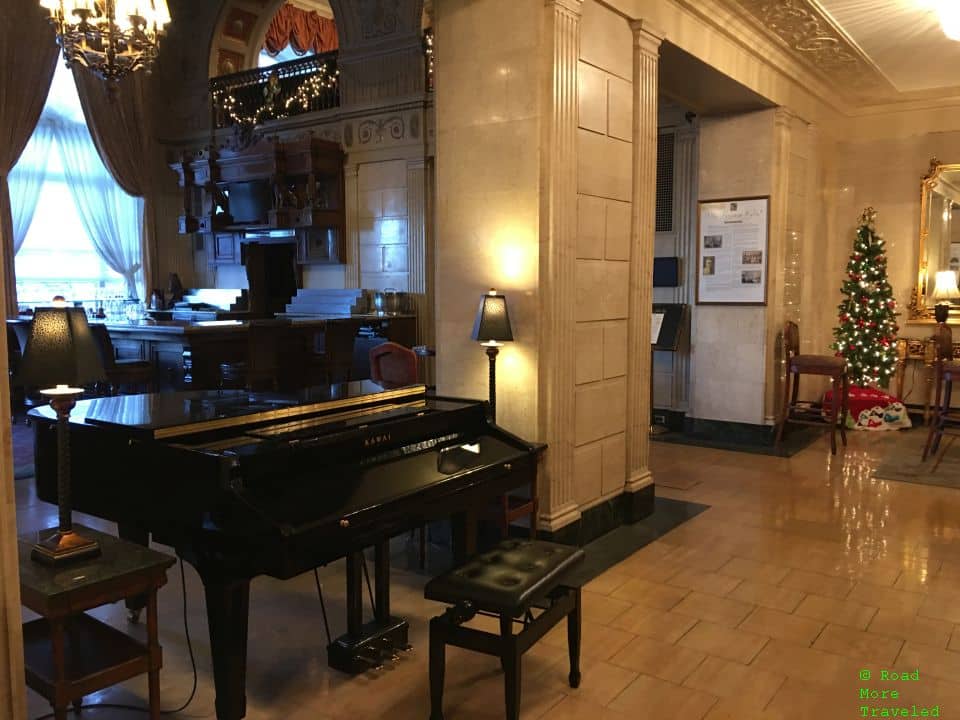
(242, 485)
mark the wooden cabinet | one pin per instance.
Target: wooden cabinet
(273, 184)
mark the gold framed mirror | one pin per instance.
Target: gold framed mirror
(939, 246)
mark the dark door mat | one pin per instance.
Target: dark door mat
(601, 554)
(794, 440)
(622, 542)
(902, 461)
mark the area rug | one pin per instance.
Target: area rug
(902, 460)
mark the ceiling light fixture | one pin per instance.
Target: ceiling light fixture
(948, 11)
(111, 37)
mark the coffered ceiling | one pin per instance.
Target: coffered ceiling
(871, 50)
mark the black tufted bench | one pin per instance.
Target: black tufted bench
(510, 581)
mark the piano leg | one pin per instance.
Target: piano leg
(381, 580)
(134, 534)
(228, 606)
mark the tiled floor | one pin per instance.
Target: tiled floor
(804, 572)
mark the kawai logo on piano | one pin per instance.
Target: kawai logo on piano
(376, 440)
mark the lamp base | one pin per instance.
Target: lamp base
(58, 547)
(941, 312)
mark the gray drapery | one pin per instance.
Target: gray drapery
(120, 126)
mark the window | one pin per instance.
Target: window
(288, 53)
(57, 255)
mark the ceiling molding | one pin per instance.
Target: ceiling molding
(810, 32)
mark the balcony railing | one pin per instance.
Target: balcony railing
(251, 97)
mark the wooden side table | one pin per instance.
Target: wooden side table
(69, 654)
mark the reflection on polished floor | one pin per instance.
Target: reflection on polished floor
(804, 572)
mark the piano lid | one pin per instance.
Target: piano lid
(176, 414)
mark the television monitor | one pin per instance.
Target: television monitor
(666, 272)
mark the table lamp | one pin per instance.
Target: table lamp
(492, 328)
(944, 291)
(61, 353)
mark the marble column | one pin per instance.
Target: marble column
(351, 260)
(419, 259)
(776, 251)
(685, 151)
(646, 59)
(12, 688)
(558, 229)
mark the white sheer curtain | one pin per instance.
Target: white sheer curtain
(112, 219)
(27, 178)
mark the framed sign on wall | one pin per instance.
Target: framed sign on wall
(732, 251)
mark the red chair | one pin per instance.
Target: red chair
(393, 365)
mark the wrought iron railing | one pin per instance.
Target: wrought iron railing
(250, 97)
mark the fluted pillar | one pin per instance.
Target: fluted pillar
(558, 228)
(685, 206)
(351, 260)
(646, 59)
(418, 248)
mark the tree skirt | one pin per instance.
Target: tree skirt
(871, 409)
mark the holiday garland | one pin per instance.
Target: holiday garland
(867, 330)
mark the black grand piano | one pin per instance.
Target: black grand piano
(245, 484)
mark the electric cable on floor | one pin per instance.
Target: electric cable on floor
(193, 664)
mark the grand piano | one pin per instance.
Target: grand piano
(245, 484)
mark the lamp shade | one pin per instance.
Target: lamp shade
(946, 286)
(60, 349)
(493, 320)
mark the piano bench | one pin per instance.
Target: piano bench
(511, 581)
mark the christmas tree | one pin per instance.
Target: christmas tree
(867, 331)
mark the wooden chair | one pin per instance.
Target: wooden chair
(392, 365)
(811, 414)
(121, 373)
(945, 368)
(335, 362)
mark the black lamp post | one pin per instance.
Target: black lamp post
(60, 353)
(491, 329)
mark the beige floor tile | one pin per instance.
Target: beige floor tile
(859, 645)
(724, 642)
(733, 709)
(644, 592)
(931, 661)
(790, 628)
(805, 663)
(799, 698)
(703, 557)
(574, 708)
(842, 612)
(600, 681)
(907, 626)
(607, 582)
(771, 596)
(886, 597)
(753, 570)
(666, 627)
(941, 606)
(817, 584)
(668, 662)
(603, 609)
(749, 687)
(598, 642)
(654, 698)
(704, 581)
(722, 611)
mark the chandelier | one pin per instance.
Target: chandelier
(110, 37)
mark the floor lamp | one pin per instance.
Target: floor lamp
(491, 329)
(61, 356)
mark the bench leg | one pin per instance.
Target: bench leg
(437, 668)
(573, 640)
(510, 661)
